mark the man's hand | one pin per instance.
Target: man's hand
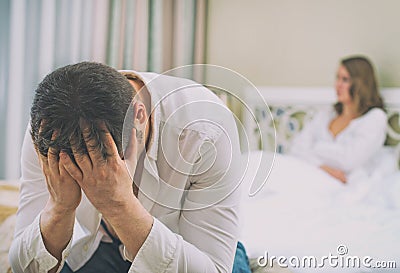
(105, 181)
(58, 217)
(108, 186)
(338, 174)
(65, 193)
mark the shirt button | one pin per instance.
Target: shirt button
(85, 247)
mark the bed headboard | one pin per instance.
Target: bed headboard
(292, 107)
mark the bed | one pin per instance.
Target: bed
(302, 215)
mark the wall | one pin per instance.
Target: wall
(299, 43)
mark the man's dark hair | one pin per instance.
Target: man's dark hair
(90, 91)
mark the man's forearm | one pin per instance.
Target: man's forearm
(56, 226)
(130, 219)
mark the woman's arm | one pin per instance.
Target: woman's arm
(338, 174)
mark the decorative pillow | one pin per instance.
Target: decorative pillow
(288, 121)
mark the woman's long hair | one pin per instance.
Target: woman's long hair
(364, 88)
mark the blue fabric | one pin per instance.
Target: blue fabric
(241, 262)
(107, 259)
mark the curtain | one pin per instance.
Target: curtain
(38, 36)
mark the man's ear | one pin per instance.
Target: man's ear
(139, 114)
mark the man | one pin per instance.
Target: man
(93, 130)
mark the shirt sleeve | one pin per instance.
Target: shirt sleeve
(208, 222)
(358, 145)
(28, 252)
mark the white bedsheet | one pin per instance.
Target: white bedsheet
(302, 211)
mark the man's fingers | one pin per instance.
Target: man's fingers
(83, 160)
(43, 162)
(43, 159)
(108, 140)
(66, 165)
(52, 155)
(92, 144)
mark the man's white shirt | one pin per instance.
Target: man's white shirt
(191, 173)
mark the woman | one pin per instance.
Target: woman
(344, 139)
(301, 209)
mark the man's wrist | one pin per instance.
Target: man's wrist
(116, 215)
(117, 209)
(132, 218)
(56, 228)
(58, 210)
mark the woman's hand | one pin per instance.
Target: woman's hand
(338, 174)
